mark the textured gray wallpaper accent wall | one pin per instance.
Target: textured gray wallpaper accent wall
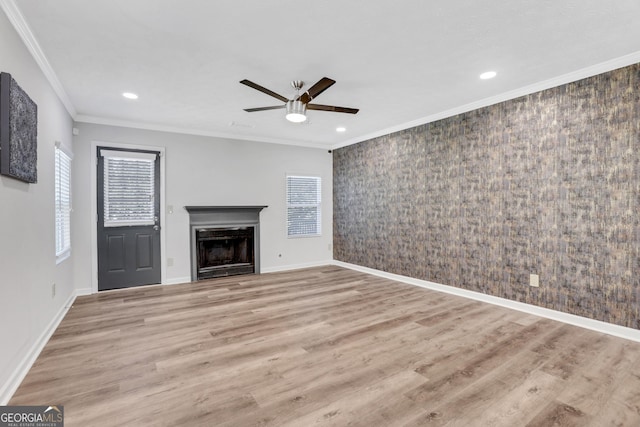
(547, 184)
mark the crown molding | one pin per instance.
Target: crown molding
(82, 118)
(22, 28)
(24, 31)
(603, 67)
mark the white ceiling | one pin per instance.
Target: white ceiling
(401, 62)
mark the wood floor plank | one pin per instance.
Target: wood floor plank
(470, 367)
(485, 397)
(559, 414)
(606, 372)
(325, 346)
(516, 405)
(361, 357)
(367, 402)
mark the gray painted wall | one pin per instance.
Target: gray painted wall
(202, 171)
(27, 217)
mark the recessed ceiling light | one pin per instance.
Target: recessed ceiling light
(341, 129)
(488, 75)
(130, 95)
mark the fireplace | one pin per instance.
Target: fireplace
(225, 240)
(225, 251)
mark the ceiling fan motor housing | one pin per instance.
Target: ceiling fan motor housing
(296, 111)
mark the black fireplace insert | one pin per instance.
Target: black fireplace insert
(225, 251)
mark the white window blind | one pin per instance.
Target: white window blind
(129, 188)
(303, 206)
(62, 202)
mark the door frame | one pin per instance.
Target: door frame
(94, 206)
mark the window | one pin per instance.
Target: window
(63, 202)
(303, 206)
(129, 187)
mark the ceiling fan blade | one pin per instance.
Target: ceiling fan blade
(315, 90)
(263, 90)
(332, 108)
(275, 107)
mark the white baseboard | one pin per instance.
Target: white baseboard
(571, 319)
(296, 266)
(177, 280)
(83, 291)
(12, 384)
(174, 281)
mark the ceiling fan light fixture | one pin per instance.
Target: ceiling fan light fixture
(296, 111)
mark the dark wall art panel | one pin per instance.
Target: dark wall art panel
(545, 184)
(18, 132)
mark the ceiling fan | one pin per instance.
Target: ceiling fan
(298, 106)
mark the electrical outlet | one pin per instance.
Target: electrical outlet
(534, 280)
(169, 262)
(53, 290)
(329, 246)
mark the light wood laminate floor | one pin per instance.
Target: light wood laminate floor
(326, 346)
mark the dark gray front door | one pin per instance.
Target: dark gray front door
(128, 218)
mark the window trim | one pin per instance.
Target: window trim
(317, 205)
(62, 152)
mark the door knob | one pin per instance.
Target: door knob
(156, 227)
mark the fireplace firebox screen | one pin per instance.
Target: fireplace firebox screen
(225, 251)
